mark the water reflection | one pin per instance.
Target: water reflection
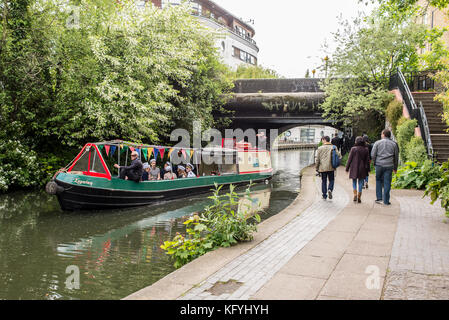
(117, 252)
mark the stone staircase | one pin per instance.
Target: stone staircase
(438, 128)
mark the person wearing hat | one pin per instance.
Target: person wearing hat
(154, 172)
(182, 172)
(189, 170)
(132, 172)
(146, 170)
(169, 174)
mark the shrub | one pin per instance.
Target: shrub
(414, 176)
(394, 113)
(221, 224)
(18, 166)
(405, 132)
(439, 188)
(415, 150)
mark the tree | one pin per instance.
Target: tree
(253, 72)
(88, 70)
(368, 50)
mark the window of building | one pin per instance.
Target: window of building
(244, 56)
(307, 135)
(197, 8)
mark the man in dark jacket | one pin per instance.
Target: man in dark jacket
(134, 171)
(385, 155)
(336, 141)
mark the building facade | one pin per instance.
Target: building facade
(235, 43)
(433, 17)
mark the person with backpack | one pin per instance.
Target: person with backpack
(358, 167)
(327, 159)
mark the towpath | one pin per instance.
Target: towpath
(327, 249)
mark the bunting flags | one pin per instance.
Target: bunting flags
(132, 149)
(150, 152)
(113, 148)
(169, 152)
(145, 153)
(107, 148)
(184, 153)
(100, 147)
(124, 148)
(155, 151)
(161, 152)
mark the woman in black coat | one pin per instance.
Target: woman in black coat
(358, 167)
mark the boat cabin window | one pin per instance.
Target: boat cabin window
(89, 161)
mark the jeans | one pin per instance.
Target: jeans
(130, 174)
(360, 184)
(366, 179)
(324, 176)
(383, 180)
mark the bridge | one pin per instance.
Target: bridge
(279, 104)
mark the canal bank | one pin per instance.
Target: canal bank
(333, 249)
(179, 282)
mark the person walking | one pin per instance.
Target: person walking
(336, 141)
(370, 148)
(323, 164)
(385, 156)
(358, 167)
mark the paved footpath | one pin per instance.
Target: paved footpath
(328, 249)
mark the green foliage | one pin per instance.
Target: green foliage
(253, 72)
(415, 176)
(439, 188)
(221, 224)
(118, 72)
(351, 103)
(18, 165)
(404, 135)
(394, 113)
(415, 150)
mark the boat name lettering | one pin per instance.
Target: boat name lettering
(78, 181)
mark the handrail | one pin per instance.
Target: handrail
(415, 112)
(407, 90)
(426, 130)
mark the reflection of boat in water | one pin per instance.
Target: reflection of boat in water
(88, 184)
(259, 200)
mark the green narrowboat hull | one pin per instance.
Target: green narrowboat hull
(82, 192)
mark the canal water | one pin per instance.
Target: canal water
(116, 252)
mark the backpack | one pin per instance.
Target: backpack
(335, 160)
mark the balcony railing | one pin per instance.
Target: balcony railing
(236, 32)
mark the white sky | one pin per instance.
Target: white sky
(290, 33)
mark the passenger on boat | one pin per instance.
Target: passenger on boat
(182, 172)
(134, 171)
(146, 170)
(189, 170)
(154, 172)
(169, 175)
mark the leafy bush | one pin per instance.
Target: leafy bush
(394, 113)
(18, 166)
(220, 225)
(439, 187)
(405, 132)
(415, 150)
(414, 176)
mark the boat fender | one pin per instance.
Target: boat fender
(53, 188)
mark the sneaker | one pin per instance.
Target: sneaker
(324, 197)
(387, 204)
(330, 194)
(366, 186)
(378, 201)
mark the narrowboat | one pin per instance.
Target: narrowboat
(88, 184)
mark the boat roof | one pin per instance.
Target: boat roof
(142, 145)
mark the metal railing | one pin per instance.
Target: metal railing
(425, 131)
(398, 81)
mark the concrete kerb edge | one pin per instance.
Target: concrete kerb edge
(179, 282)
